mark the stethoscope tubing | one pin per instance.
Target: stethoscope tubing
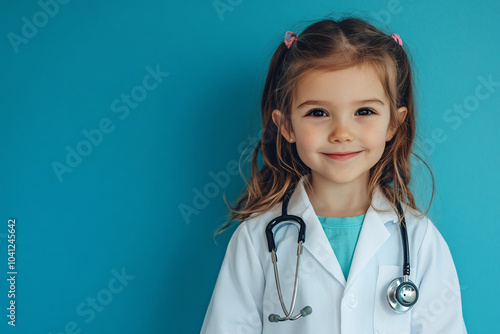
(397, 303)
(295, 285)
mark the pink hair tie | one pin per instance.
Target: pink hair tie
(397, 38)
(289, 41)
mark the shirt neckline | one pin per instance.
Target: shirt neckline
(342, 217)
(336, 222)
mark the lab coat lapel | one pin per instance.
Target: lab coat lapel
(372, 236)
(316, 241)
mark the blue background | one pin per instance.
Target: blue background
(119, 209)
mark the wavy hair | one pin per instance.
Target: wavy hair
(330, 45)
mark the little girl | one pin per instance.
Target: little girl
(338, 118)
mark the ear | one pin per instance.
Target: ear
(277, 117)
(400, 115)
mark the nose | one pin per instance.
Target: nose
(341, 132)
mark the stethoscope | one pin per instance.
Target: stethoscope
(402, 294)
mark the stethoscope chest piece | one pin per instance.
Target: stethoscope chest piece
(402, 295)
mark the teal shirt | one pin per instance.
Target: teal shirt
(343, 233)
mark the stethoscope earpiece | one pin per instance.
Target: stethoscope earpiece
(402, 294)
(303, 313)
(272, 248)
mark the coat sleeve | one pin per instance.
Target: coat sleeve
(439, 307)
(236, 303)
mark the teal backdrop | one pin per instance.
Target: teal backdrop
(123, 122)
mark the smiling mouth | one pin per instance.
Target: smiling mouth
(342, 156)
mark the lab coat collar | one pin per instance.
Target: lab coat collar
(372, 236)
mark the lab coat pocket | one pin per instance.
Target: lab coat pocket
(386, 320)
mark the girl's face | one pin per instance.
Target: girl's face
(344, 111)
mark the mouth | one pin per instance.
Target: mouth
(342, 155)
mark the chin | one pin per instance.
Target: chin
(340, 179)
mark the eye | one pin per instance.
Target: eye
(365, 112)
(316, 113)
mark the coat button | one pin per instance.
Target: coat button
(352, 301)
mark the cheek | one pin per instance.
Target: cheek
(305, 145)
(307, 142)
(374, 137)
(306, 137)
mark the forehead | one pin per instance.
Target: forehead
(340, 87)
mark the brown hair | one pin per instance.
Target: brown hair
(330, 45)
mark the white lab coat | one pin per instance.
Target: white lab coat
(245, 293)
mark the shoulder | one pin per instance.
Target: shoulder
(428, 247)
(423, 232)
(252, 230)
(431, 253)
(423, 229)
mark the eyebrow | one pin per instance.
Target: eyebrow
(315, 103)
